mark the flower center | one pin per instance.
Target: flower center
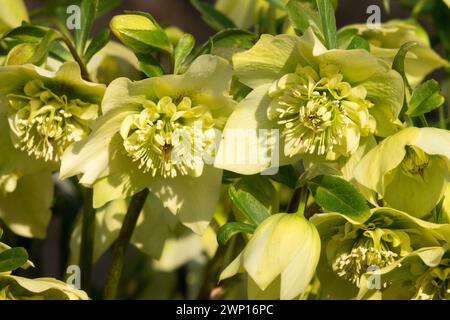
(317, 113)
(365, 254)
(415, 161)
(44, 124)
(169, 138)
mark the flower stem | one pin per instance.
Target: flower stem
(423, 121)
(295, 199)
(87, 240)
(303, 201)
(121, 244)
(442, 124)
(76, 56)
(299, 201)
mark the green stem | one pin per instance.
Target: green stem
(76, 57)
(121, 244)
(442, 124)
(423, 121)
(87, 240)
(295, 199)
(303, 201)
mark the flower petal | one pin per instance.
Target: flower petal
(273, 56)
(192, 199)
(26, 211)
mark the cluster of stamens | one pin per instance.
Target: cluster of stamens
(364, 257)
(315, 111)
(44, 124)
(415, 161)
(170, 137)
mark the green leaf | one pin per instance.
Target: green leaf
(97, 44)
(328, 22)
(149, 65)
(302, 16)
(359, 43)
(248, 205)
(425, 98)
(230, 38)
(287, 176)
(182, 50)
(27, 33)
(43, 47)
(399, 60)
(212, 17)
(229, 230)
(12, 259)
(60, 52)
(335, 194)
(88, 14)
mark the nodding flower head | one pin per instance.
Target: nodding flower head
(43, 123)
(169, 137)
(316, 111)
(370, 249)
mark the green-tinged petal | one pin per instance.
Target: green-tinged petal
(207, 81)
(67, 79)
(401, 277)
(278, 246)
(434, 141)
(112, 62)
(383, 158)
(244, 147)
(417, 195)
(179, 250)
(355, 65)
(14, 160)
(192, 199)
(12, 14)
(116, 182)
(386, 40)
(386, 91)
(149, 236)
(273, 56)
(298, 274)
(235, 267)
(19, 288)
(27, 210)
(90, 157)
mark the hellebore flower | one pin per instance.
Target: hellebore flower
(410, 169)
(386, 39)
(351, 249)
(321, 101)
(422, 275)
(282, 253)
(159, 133)
(41, 113)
